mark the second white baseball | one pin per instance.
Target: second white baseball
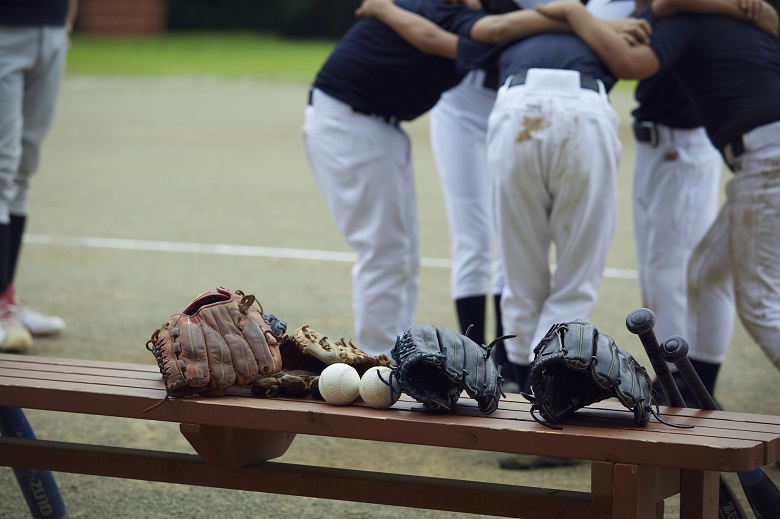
(375, 391)
(339, 384)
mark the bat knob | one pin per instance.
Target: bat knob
(640, 321)
(674, 349)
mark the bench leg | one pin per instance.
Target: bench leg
(234, 448)
(699, 494)
(632, 491)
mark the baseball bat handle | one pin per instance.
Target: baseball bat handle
(761, 492)
(38, 486)
(640, 322)
(675, 350)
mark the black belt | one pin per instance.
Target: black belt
(491, 80)
(585, 81)
(389, 119)
(646, 131)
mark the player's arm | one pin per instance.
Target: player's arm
(500, 28)
(70, 17)
(624, 59)
(762, 14)
(420, 32)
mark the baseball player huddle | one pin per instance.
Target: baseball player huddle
(526, 145)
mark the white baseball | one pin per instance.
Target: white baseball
(339, 384)
(377, 393)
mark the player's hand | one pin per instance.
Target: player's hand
(633, 30)
(768, 21)
(751, 9)
(372, 7)
(559, 10)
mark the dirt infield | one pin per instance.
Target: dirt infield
(153, 191)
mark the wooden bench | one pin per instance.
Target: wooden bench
(632, 471)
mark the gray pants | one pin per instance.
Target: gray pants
(32, 61)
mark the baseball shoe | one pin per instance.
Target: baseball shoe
(37, 323)
(529, 461)
(14, 337)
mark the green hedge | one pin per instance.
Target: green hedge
(318, 19)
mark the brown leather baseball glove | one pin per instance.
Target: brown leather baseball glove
(221, 339)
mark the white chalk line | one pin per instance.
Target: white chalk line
(222, 249)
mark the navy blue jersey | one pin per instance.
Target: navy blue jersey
(33, 12)
(729, 68)
(553, 50)
(662, 100)
(377, 72)
(545, 50)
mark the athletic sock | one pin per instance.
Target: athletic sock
(521, 373)
(5, 256)
(15, 245)
(471, 312)
(499, 350)
(708, 373)
(497, 310)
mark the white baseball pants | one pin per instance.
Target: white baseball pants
(675, 200)
(31, 67)
(363, 167)
(553, 153)
(458, 126)
(743, 242)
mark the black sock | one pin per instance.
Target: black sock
(5, 256)
(708, 373)
(521, 373)
(497, 310)
(499, 350)
(15, 245)
(471, 312)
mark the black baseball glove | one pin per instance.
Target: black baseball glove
(434, 365)
(575, 366)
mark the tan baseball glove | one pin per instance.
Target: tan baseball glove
(221, 339)
(305, 354)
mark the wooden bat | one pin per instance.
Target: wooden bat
(38, 486)
(641, 322)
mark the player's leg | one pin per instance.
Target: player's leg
(458, 125)
(710, 313)
(17, 57)
(520, 203)
(583, 184)
(754, 237)
(42, 85)
(676, 195)
(363, 168)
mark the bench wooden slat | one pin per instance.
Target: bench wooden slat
(300, 480)
(633, 470)
(612, 416)
(62, 364)
(112, 382)
(457, 431)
